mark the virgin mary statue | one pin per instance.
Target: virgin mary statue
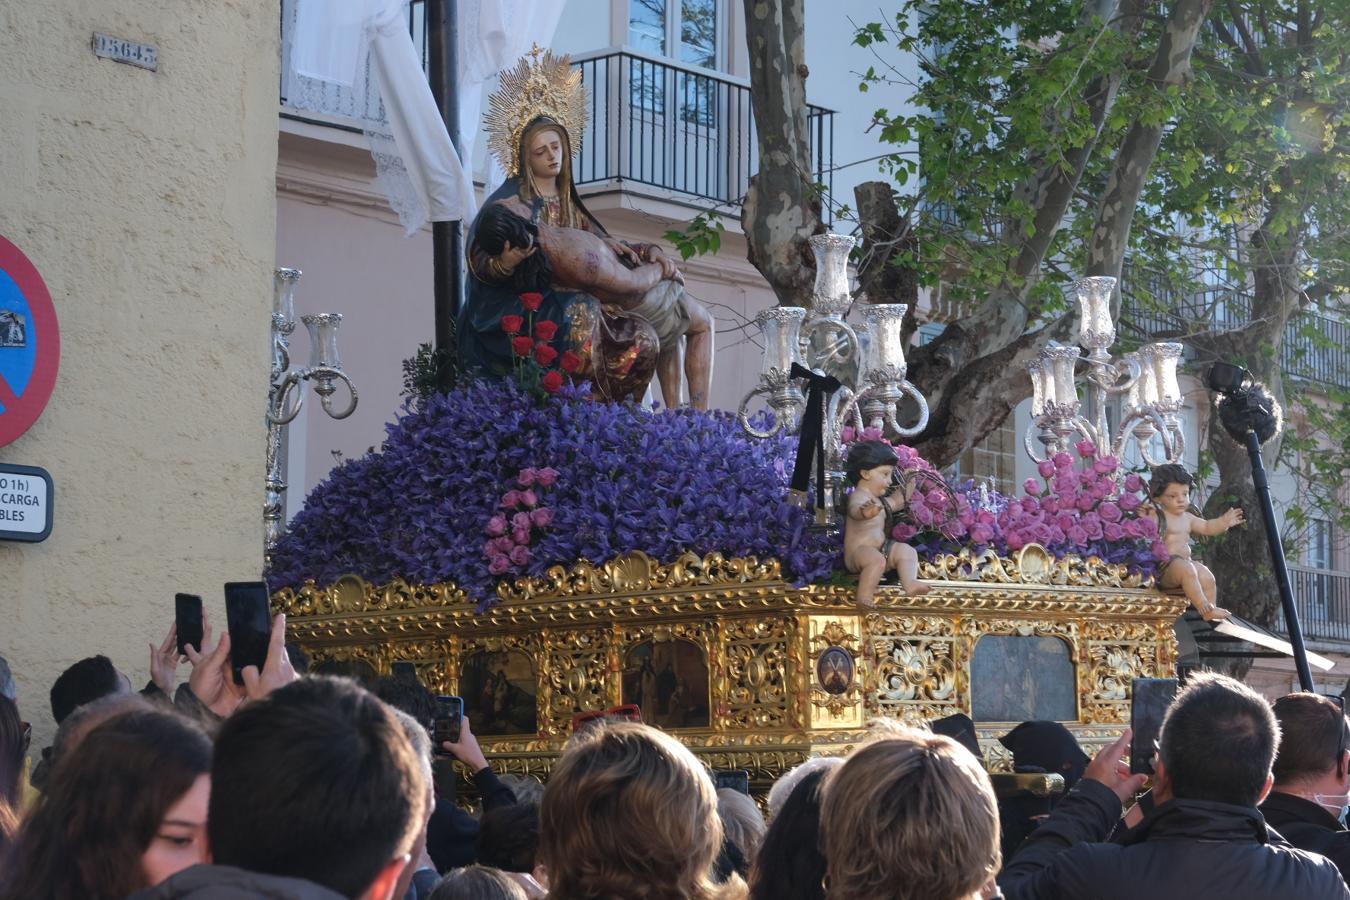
(534, 121)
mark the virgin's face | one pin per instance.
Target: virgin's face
(545, 154)
(180, 841)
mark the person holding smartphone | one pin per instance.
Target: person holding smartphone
(452, 834)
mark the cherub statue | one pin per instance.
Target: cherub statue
(868, 549)
(1169, 490)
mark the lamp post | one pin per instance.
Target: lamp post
(1147, 377)
(868, 358)
(284, 401)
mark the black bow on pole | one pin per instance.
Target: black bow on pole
(811, 438)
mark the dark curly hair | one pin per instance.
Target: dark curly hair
(1169, 473)
(497, 226)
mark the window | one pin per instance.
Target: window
(993, 460)
(1318, 557)
(688, 31)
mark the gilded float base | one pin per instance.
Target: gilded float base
(749, 671)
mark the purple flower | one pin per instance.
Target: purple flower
(542, 517)
(1134, 483)
(1109, 511)
(1113, 531)
(520, 537)
(1046, 467)
(511, 499)
(546, 476)
(1086, 449)
(1106, 465)
(502, 544)
(1076, 535)
(1031, 486)
(1063, 461)
(525, 478)
(496, 525)
(1130, 502)
(521, 520)
(499, 564)
(520, 555)
(529, 499)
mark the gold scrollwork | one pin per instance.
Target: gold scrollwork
(636, 572)
(915, 664)
(757, 676)
(1033, 565)
(575, 677)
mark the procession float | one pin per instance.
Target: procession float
(539, 544)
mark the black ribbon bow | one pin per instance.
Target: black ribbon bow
(811, 439)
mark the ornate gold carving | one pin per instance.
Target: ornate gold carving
(574, 677)
(758, 673)
(916, 662)
(1115, 656)
(637, 572)
(835, 649)
(1033, 565)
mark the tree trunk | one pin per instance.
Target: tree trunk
(782, 207)
(886, 233)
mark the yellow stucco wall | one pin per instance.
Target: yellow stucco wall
(147, 201)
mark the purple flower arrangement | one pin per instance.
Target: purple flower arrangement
(488, 482)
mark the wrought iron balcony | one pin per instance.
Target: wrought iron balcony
(1316, 348)
(1322, 600)
(653, 122)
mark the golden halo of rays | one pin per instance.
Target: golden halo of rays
(540, 84)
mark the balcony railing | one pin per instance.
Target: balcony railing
(652, 121)
(1322, 600)
(1316, 348)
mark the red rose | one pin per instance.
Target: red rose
(546, 330)
(552, 381)
(531, 301)
(545, 354)
(522, 345)
(571, 362)
(513, 324)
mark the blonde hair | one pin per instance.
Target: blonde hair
(909, 816)
(630, 813)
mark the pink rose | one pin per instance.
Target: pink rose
(546, 476)
(903, 531)
(1015, 539)
(1063, 461)
(1046, 467)
(1133, 482)
(528, 499)
(502, 544)
(525, 478)
(1055, 535)
(1031, 505)
(847, 435)
(1092, 527)
(521, 520)
(520, 555)
(1050, 505)
(511, 499)
(1086, 449)
(984, 517)
(1160, 552)
(1086, 502)
(981, 534)
(496, 525)
(1031, 486)
(1130, 502)
(543, 516)
(875, 434)
(499, 564)
(1065, 486)
(520, 537)
(1065, 522)
(1113, 531)
(1147, 527)
(1106, 465)
(1109, 512)
(1076, 535)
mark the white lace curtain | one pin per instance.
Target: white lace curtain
(356, 58)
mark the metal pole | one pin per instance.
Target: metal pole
(1278, 561)
(446, 241)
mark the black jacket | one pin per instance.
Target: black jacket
(452, 834)
(1308, 827)
(228, 883)
(1185, 850)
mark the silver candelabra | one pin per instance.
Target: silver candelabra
(284, 400)
(868, 358)
(1148, 378)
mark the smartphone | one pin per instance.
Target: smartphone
(1149, 699)
(405, 671)
(187, 615)
(736, 779)
(449, 720)
(250, 622)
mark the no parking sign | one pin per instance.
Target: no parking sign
(30, 343)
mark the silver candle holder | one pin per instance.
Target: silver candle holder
(869, 359)
(1147, 377)
(286, 395)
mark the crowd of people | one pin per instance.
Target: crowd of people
(307, 787)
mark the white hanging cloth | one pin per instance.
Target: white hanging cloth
(356, 58)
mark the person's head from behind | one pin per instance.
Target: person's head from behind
(910, 816)
(787, 783)
(508, 837)
(13, 745)
(318, 781)
(790, 865)
(1217, 743)
(477, 883)
(742, 823)
(407, 695)
(86, 681)
(1314, 755)
(123, 813)
(628, 812)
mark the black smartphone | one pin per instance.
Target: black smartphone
(736, 779)
(187, 615)
(250, 622)
(405, 671)
(1149, 699)
(449, 720)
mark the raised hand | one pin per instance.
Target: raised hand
(212, 681)
(164, 662)
(277, 670)
(1109, 768)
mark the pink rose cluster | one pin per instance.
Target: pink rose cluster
(1078, 507)
(934, 506)
(519, 518)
